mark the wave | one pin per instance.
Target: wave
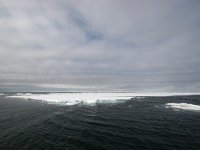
(183, 106)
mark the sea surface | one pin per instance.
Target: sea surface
(141, 123)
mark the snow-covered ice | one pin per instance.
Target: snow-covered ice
(88, 98)
(183, 106)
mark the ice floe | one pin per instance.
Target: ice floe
(183, 106)
(75, 98)
(87, 98)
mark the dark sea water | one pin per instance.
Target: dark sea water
(136, 124)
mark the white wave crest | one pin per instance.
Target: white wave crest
(183, 106)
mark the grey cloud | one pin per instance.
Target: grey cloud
(114, 45)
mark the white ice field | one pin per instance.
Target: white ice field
(93, 98)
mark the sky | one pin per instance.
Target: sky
(100, 45)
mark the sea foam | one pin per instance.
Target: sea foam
(183, 106)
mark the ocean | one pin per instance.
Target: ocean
(139, 123)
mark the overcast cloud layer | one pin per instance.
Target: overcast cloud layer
(100, 45)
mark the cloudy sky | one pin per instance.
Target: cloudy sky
(100, 45)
